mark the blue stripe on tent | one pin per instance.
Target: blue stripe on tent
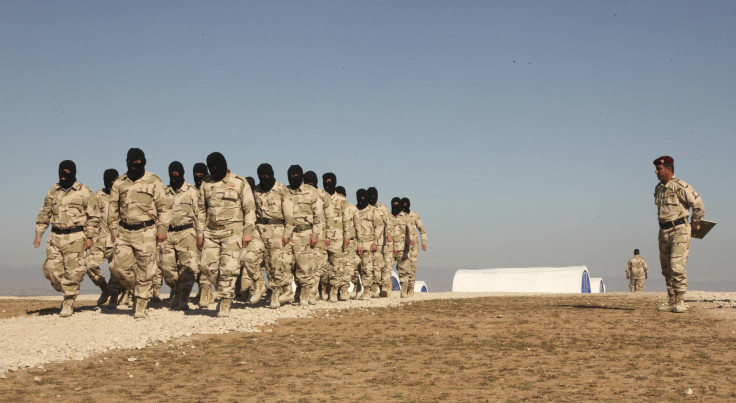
(586, 283)
(424, 288)
(395, 282)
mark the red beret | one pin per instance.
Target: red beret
(664, 160)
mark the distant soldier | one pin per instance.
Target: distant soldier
(228, 225)
(369, 230)
(103, 248)
(636, 272)
(322, 262)
(253, 261)
(408, 266)
(338, 278)
(309, 224)
(71, 209)
(138, 217)
(382, 259)
(351, 260)
(178, 255)
(674, 199)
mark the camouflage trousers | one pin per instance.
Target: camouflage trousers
(65, 264)
(366, 265)
(221, 259)
(351, 261)
(252, 259)
(636, 284)
(135, 260)
(279, 259)
(321, 264)
(386, 268)
(178, 258)
(304, 258)
(102, 250)
(674, 248)
(407, 267)
(337, 269)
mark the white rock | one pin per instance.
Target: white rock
(688, 391)
(37, 379)
(131, 359)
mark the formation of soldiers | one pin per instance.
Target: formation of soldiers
(224, 231)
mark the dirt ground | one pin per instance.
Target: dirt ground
(604, 347)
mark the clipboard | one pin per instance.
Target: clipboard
(705, 227)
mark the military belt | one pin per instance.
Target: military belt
(137, 226)
(300, 228)
(64, 231)
(670, 224)
(270, 221)
(173, 228)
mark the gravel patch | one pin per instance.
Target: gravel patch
(31, 341)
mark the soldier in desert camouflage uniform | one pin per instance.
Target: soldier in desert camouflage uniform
(71, 209)
(309, 225)
(409, 224)
(103, 248)
(253, 261)
(138, 218)
(381, 262)
(199, 172)
(179, 255)
(368, 230)
(338, 241)
(674, 198)
(351, 259)
(228, 225)
(636, 272)
(400, 236)
(321, 262)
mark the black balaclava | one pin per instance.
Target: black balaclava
(265, 176)
(176, 181)
(405, 204)
(329, 180)
(217, 165)
(341, 190)
(395, 206)
(362, 196)
(296, 176)
(108, 178)
(66, 180)
(372, 195)
(310, 178)
(199, 168)
(136, 169)
(251, 182)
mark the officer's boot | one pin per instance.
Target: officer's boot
(67, 307)
(224, 311)
(260, 288)
(141, 304)
(112, 302)
(275, 291)
(404, 293)
(174, 299)
(184, 298)
(669, 306)
(680, 306)
(366, 292)
(344, 293)
(287, 295)
(304, 295)
(105, 293)
(333, 293)
(205, 297)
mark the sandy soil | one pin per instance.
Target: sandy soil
(609, 347)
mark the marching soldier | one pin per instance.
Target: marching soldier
(321, 270)
(351, 260)
(368, 229)
(103, 248)
(338, 241)
(253, 260)
(408, 266)
(381, 263)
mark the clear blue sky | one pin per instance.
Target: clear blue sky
(522, 131)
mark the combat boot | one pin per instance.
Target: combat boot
(126, 299)
(174, 299)
(333, 294)
(260, 288)
(344, 293)
(304, 295)
(141, 304)
(67, 307)
(358, 289)
(112, 302)
(225, 305)
(375, 290)
(275, 291)
(669, 306)
(287, 295)
(366, 293)
(156, 298)
(326, 290)
(410, 289)
(384, 290)
(183, 298)
(105, 293)
(205, 297)
(680, 306)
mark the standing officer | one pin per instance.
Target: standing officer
(71, 209)
(228, 225)
(369, 229)
(138, 219)
(409, 265)
(178, 255)
(674, 199)
(103, 248)
(309, 225)
(636, 272)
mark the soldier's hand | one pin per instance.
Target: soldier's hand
(285, 241)
(389, 238)
(160, 237)
(696, 226)
(88, 243)
(374, 248)
(37, 242)
(112, 238)
(312, 241)
(424, 246)
(627, 276)
(646, 276)
(346, 242)
(327, 242)
(396, 251)
(360, 250)
(247, 239)
(411, 242)
(200, 242)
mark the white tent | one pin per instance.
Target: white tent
(574, 279)
(419, 286)
(596, 285)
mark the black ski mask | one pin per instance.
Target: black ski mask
(395, 206)
(405, 205)
(108, 178)
(362, 196)
(217, 165)
(296, 176)
(265, 176)
(66, 180)
(136, 169)
(176, 181)
(199, 171)
(372, 195)
(310, 178)
(329, 180)
(341, 190)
